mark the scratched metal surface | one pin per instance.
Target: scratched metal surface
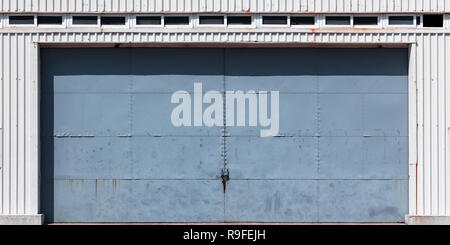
(111, 154)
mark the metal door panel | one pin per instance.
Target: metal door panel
(112, 154)
(359, 114)
(322, 62)
(161, 72)
(299, 120)
(271, 200)
(363, 158)
(89, 84)
(83, 62)
(177, 157)
(358, 61)
(151, 116)
(90, 114)
(286, 157)
(143, 200)
(271, 62)
(168, 84)
(362, 84)
(341, 114)
(346, 122)
(176, 61)
(393, 107)
(316, 200)
(283, 84)
(91, 158)
(363, 200)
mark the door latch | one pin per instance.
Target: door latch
(225, 177)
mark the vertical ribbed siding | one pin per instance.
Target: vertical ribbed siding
(224, 5)
(446, 171)
(431, 176)
(412, 127)
(18, 175)
(429, 107)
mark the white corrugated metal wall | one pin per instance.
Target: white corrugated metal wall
(19, 163)
(324, 6)
(429, 108)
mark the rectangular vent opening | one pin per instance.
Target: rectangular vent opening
(303, 20)
(401, 20)
(21, 20)
(212, 20)
(49, 20)
(337, 20)
(274, 20)
(239, 20)
(84, 20)
(365, 20)
(113, 20)
(433, 20)
(148, 20)
(176, 20)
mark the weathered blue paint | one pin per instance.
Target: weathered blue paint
(343, 146)
(138, 200)
(287, 157)
(275, 200)
(363, 200)
(271, 200)
(109, 150)
(110, 153)
(148, 107)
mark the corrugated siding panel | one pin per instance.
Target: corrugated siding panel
(6, 125)
(412, 131)
(18, 176)
(236, 36)
(442, 131)
(224, 6)
(420, 126)
(431, 176)
(429, 115)
(446, 104)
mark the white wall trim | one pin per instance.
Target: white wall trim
(22, 219)
(427, 220)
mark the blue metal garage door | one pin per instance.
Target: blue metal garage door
(110, 153)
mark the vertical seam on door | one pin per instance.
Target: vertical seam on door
(224, 128)
(318, 146)
(130, 109)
